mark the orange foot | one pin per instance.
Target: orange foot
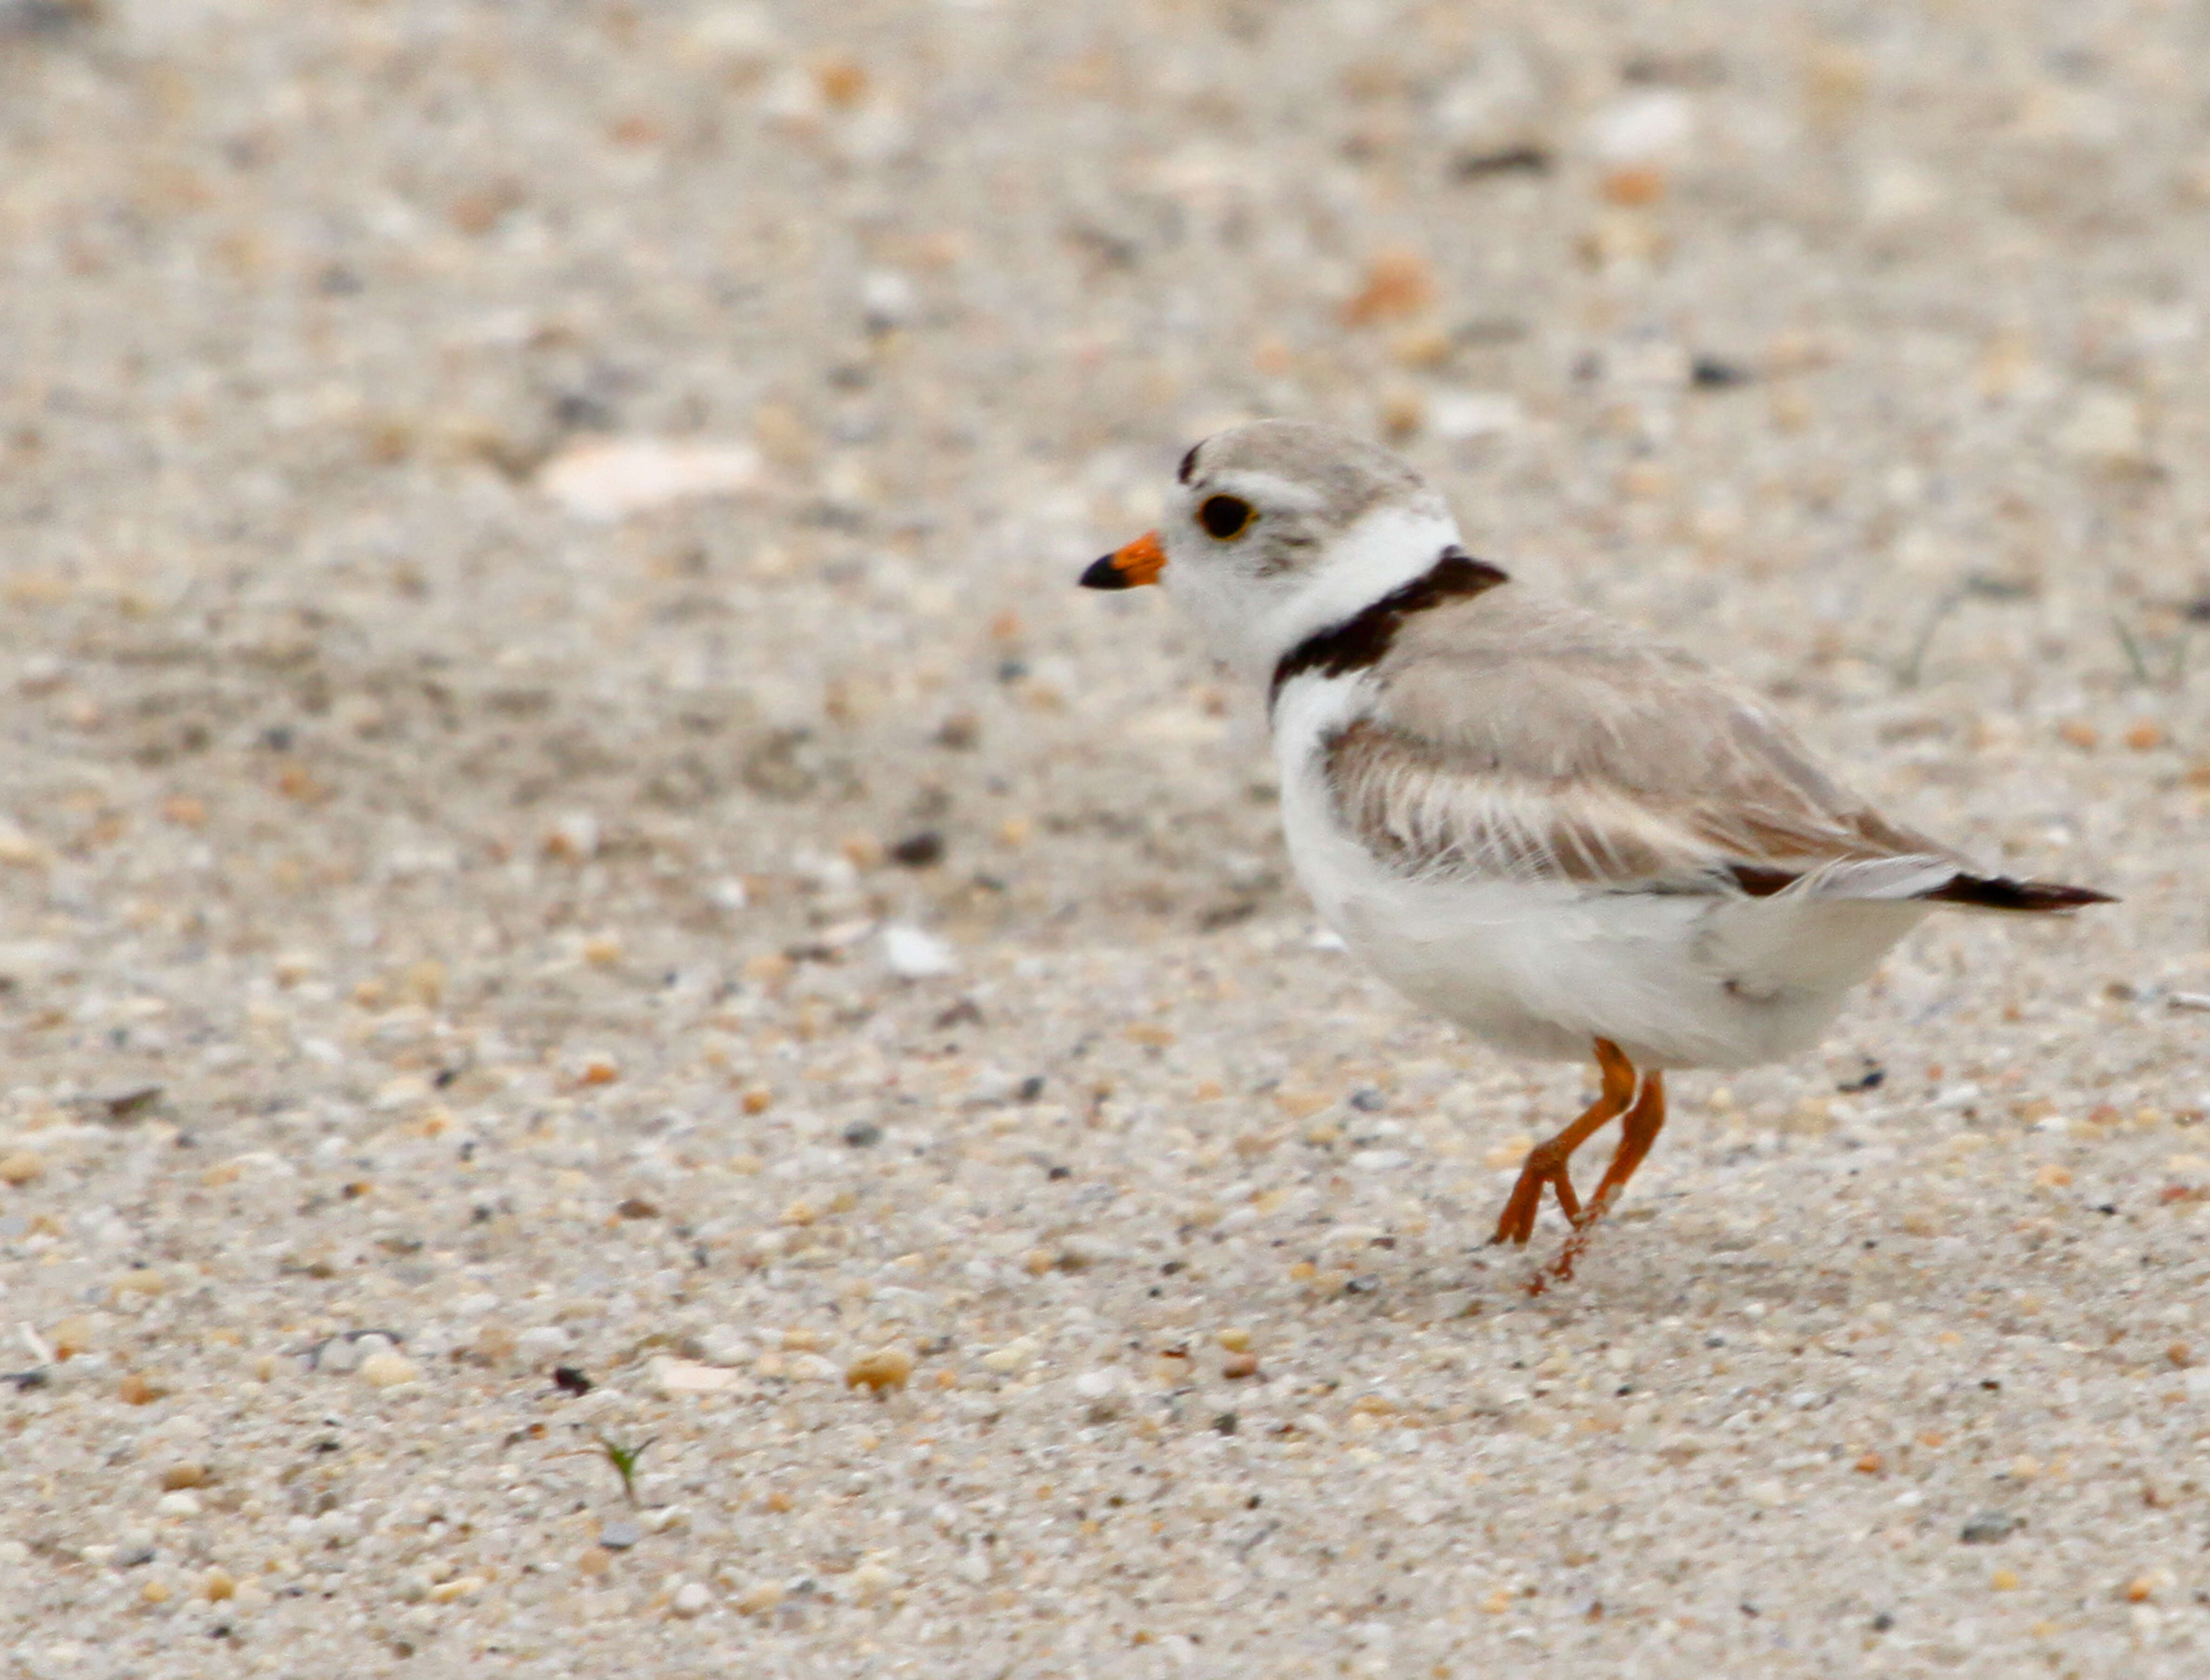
(1639, 1129)
(1547, 1162)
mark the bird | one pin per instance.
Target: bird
(1556, 831)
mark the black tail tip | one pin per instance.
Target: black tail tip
(2001, 892)
(1104, 575)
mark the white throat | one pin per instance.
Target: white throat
(1252, 624)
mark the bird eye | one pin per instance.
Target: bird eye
(1225, 517)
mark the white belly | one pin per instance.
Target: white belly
(1541, 968)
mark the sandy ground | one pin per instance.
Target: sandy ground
(787, 959)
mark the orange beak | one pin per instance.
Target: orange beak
(1129, 567)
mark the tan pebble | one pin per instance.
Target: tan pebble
(388, 1370)
(1303, 1271)
(863, 851)
(1512, 1152)
(1238, 1366)
(602, 952)
(1869, 1464)
(1037, 1261)
(1234, 1338)
(217, 1586)
(144, 1280)
(20, 1168)
(1398, 283)
(598, 1068)
(778, 1501)
(137, 1389)
(2139, 1590)
(1149, 1033)
(70, 1336)
(1403, 413)
(2004, 1580)
(759, 1599)
(769, 968)
(1322, 1132)
(1497, 1602)
(1420, 347)
(884, 1370)
(594, 1562)
(800, 1213)
(2053, 1177)
(2145, 736)
(947, 1379)
(1015, 831)
(154, 1592)
(461, 1587)
(1790, 409)
(1634, 187)
(425, 983)
(185, 811)
(17, 849)
(1008, 1358)
(757, 1098)
(2079, 733)
(184, 1475)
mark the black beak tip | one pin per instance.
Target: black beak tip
(1104, 575)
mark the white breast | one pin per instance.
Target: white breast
(1542, 967)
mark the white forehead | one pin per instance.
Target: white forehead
(1277, 492)
(1290, 466)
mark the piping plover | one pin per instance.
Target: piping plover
(1560, 834)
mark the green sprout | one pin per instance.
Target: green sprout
(623, 1459)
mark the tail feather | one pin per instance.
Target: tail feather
(1926, 879)
(2001, 892)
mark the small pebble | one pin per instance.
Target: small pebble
(692, 1598)
(620, 1535)
(607, 479)
(177, 1504)
(880, 1371)
(388, 1369)
(912, 954)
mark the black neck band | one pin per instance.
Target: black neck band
(1361, 640)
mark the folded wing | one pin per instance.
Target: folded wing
(1542, 746)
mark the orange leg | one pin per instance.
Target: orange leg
(1639, 1129)
(1546, 1163)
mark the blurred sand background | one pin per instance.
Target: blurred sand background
(559, 808)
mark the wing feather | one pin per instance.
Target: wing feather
(1539, 744)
